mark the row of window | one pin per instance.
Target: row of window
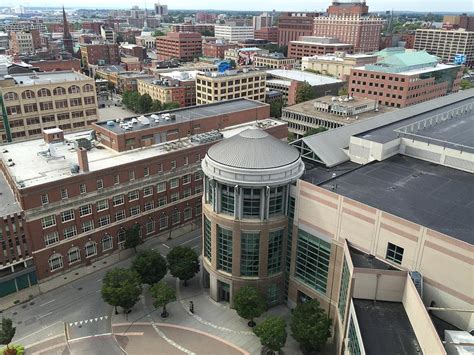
(44, 92)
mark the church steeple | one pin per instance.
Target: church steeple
(67, 38)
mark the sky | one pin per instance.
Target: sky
(261, 5)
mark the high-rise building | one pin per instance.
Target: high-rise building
(262, 21)
(100, 54)
(351, 23)
(108, 34)
(234, 33)
(161, 10)
(293, 25)
(185, 46)
(67, 38)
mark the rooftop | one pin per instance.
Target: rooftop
(366, 261)
(385, 328)
(331, 57)
(324, 41)
(431, 195)
(48, 77)
(9, 205)
(312, 79)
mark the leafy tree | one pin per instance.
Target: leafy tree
(170, 106)
(275, 108)
(158, 33)
(272, 333)
(249, 304)
(156, 106)
(304, 92)
(150, 266)
(183, 263)
(315, 131)
(121, 288)
(7, 332)
(163, 294)
(207, 33)
(144, 103)
(130, 99)
(132, 237)
(310, 326)
(466, 84)
(343, 91)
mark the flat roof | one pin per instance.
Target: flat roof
(32, 168)
(431, 195)
(385, 328)
(312, 79)
(48, 77)
(188, 114)
(366, 261)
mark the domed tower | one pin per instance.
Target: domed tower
(247, 185)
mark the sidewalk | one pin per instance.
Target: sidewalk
(75, 274)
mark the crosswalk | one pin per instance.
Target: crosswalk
(86, 321)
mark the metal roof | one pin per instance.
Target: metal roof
(253, 149)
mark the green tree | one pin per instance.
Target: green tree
(130, 100)
(466, 84)
(170, 106)
(304, 93)
(249, 304)
(150, 266)
(132, 237)
(7, 332)
(310, 326)
(121, 288)
(144, 103)
(156, 106)
(309, 70)
(315, 131)
(163, 294)
(183, 263)
(275, 108)
(272, 333)
(158, 33)
(343, 91)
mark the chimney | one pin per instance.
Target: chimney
(82, 160)
(53, 135)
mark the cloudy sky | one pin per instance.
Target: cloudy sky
(263, 5)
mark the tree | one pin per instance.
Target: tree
(183, 263)
(158, 33)
(7, 332)
(207, 33)
(309, 70)
(342, 91)
(144, 103)
(315, 131)
(121, 288)
(132, 237)
(272, 333)
(150, 266)
(304, 93)
(163, 294)
(466, 84)
(275, 108)
(170, 106)
(310, 326)
(130, 99)
(156, 106)
(249, 304)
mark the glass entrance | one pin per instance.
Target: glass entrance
(224, 292)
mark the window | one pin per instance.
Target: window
(174, 197)
(118, 200)
(146, 172)
(116, 179)
(107, 242)
(272, 294)
(119, 215)
(74, 89)
(103, 221)
(44, 199)
(186, 161)
(276, 201)
(275, 241)
(173, 164)
(134, 210)
(55, 262)
(161, 186)
(187, 213)
(133, 195)
(161, 201)
(186, 193)
(131, 175)
(312, 261)
(186, 179)
(102, 205)
(87, 226)
(207, 239)
(48, 221)
(150, 227)
(100, 184)
(70, 232)
(209, 192)
(343, 289)
(160, 167)
(74, 255)
(198, 175)
(394, 253)
(224, 249)
(67, 216)
(85, 210)
(149, 205)
(198, 189)
(353, 343)
(227, 199)
(197, 209)
(82, 189)
(174, 183)
(51, 238)
(64, 194)
(163, 221)
(121, 236)
(175, 217)
(250, 251)
(147, 191)
(252, 203)
(90, 249)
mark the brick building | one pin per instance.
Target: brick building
(185, 46)
(100, 54)
(293, 25)
(216, 49)
(134, 51)
(24, 42)
(200, 28)
(57, 64)
(269, 34)
(307, 46)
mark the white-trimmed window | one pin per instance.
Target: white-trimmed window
(174, 197)
(173, 164)
(134, 210)
(51, 238)
(64, 194)
(119, 215)
(198, 175)
(118, 200)
(149, 205)
(175, 217)
(103, 221)
(174, 183)
(131, 175)
(82, 189)
(116, 179)
(100, 184)
(107, 242)
(74, 255)
(160, 167)
(150, 227)
(121, 236)
(163, 221)
(197, 189)
(102, 205)
(85, 210)
(48, 221)
(146, 172)
(70, 231)
(67, 216)
(133, 195)
(55, 262)
(198, 158)
(44, 199)
(186, 192)
(161, 187)
(147, 191)
(87, 226)
(198, 209)
(186, 160)
(186, 179)
(188, 213)
(162, 201)
(90, 249)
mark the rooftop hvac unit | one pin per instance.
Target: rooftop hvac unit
(84, 143)
(418, 281)
(74, 169)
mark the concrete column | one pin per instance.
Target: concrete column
(213, 288)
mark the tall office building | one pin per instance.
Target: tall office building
(292, 25)
(161, 10)
(262, 21)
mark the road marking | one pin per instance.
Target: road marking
(45, 315)
(190, 240)
(44, 304)
(85, 321)
(89, 336)
(171, 342)
(166, 246)
(98, 280)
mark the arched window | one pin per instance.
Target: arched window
(44, 92)
(91, 249)
(74, 255)
(87, 88)
(28, 94)
(107, 242)
(59, 91)
(55, 262)
(74, 89)
(10, 96)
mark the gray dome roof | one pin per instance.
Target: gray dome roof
(253, 149)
